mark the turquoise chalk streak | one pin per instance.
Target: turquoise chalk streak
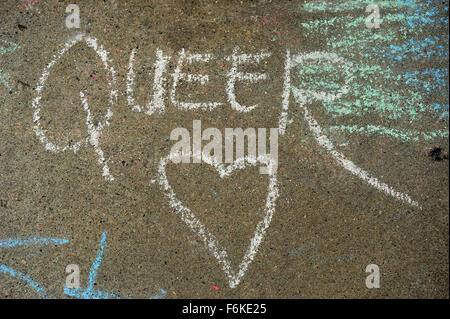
(11, 47)
(350, 5)
(16, 242)
(32, 241)
(387, 131)
(90, 292)
(25, 279)
(4, 77)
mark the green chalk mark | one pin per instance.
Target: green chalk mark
(392, 132)
(356, 33)
(376, 88)
(349, 43)
(346, 5)
(365, 93)
(383, 101)
(4, 77)
(11, 47)
(353, 39)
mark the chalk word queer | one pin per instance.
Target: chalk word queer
(303, 97)
(183, 147)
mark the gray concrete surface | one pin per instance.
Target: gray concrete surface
(328, 224)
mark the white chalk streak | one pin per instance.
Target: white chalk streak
(94, 133)
(157, 102)
(40, 133)
(332, 58)
(283, 120)
(304, 96)
(349, 165)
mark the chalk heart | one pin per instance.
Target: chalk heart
(234, 276)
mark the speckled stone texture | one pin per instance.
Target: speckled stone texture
(328, 224)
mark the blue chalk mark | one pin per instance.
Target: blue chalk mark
(90, 292)
(416, 18)
(81, 293)
(400, 39)
(24, 278)
(93, 293)
(417, 49)
(445, 111)
(98, 260)
(420, 17)
(16, 242)
(351, 5)
(160, 296)
(437, 79)
(430, 80)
